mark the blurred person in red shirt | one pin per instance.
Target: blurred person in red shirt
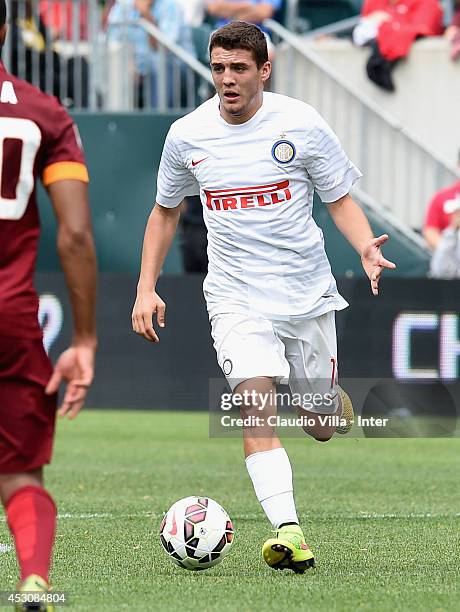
(58, 18)
(439, 213)
(391, 27)
(445, 262)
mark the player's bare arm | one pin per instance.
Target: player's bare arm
(353, 223)
(78, 258)
(159, 234)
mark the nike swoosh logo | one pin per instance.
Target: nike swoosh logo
(173, 530)
(195, 163)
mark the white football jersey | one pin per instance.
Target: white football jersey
(256, 182)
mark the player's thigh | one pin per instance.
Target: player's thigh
(247, 347)
(27, 414)
(311, 350)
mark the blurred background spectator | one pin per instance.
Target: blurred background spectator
(193, 11)
(453, 32)
(445, 262)
(58, 17)
(168, 17)
(29, 37)
(390, 27)
(253, 11)
(439, 214)
(34, 58)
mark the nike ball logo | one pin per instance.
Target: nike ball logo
(195, 163)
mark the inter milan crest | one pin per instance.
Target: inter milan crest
(283, 151)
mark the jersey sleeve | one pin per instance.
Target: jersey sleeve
(62, 156)
(330, 170)
(174, 181)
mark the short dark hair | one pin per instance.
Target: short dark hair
(2, 13)
(241, 35)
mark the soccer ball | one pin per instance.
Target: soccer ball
(196, 532)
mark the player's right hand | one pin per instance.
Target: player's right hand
(76, 367)
(146, 305)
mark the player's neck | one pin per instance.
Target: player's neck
(244, 117)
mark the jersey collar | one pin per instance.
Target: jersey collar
(241, 127)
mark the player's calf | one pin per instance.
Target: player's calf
(31, 518)
(9, 483)
(257, 405)
(319, 426)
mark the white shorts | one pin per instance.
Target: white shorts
(301, 352)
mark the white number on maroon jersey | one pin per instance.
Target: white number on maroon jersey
(50, 318)
(30, 136)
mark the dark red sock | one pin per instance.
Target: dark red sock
(31, 515)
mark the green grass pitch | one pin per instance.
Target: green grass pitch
(381, 515)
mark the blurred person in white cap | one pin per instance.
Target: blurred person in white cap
(445, 262)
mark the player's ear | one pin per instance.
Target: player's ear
(266, 71)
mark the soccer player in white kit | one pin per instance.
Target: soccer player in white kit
(255, 159)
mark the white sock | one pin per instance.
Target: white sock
(271, 475)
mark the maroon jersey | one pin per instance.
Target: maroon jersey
(38, 139)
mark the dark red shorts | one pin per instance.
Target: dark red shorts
(27, 415)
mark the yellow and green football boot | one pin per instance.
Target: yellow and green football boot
(347, 412)
(34, 584)
(288, 550)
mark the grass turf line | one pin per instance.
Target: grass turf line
(381, 516)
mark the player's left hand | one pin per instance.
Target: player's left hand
(76, 366)
(374, 262)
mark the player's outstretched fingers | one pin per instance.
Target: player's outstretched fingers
(380, 240)
(386, 263)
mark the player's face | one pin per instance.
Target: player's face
(239, 83)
